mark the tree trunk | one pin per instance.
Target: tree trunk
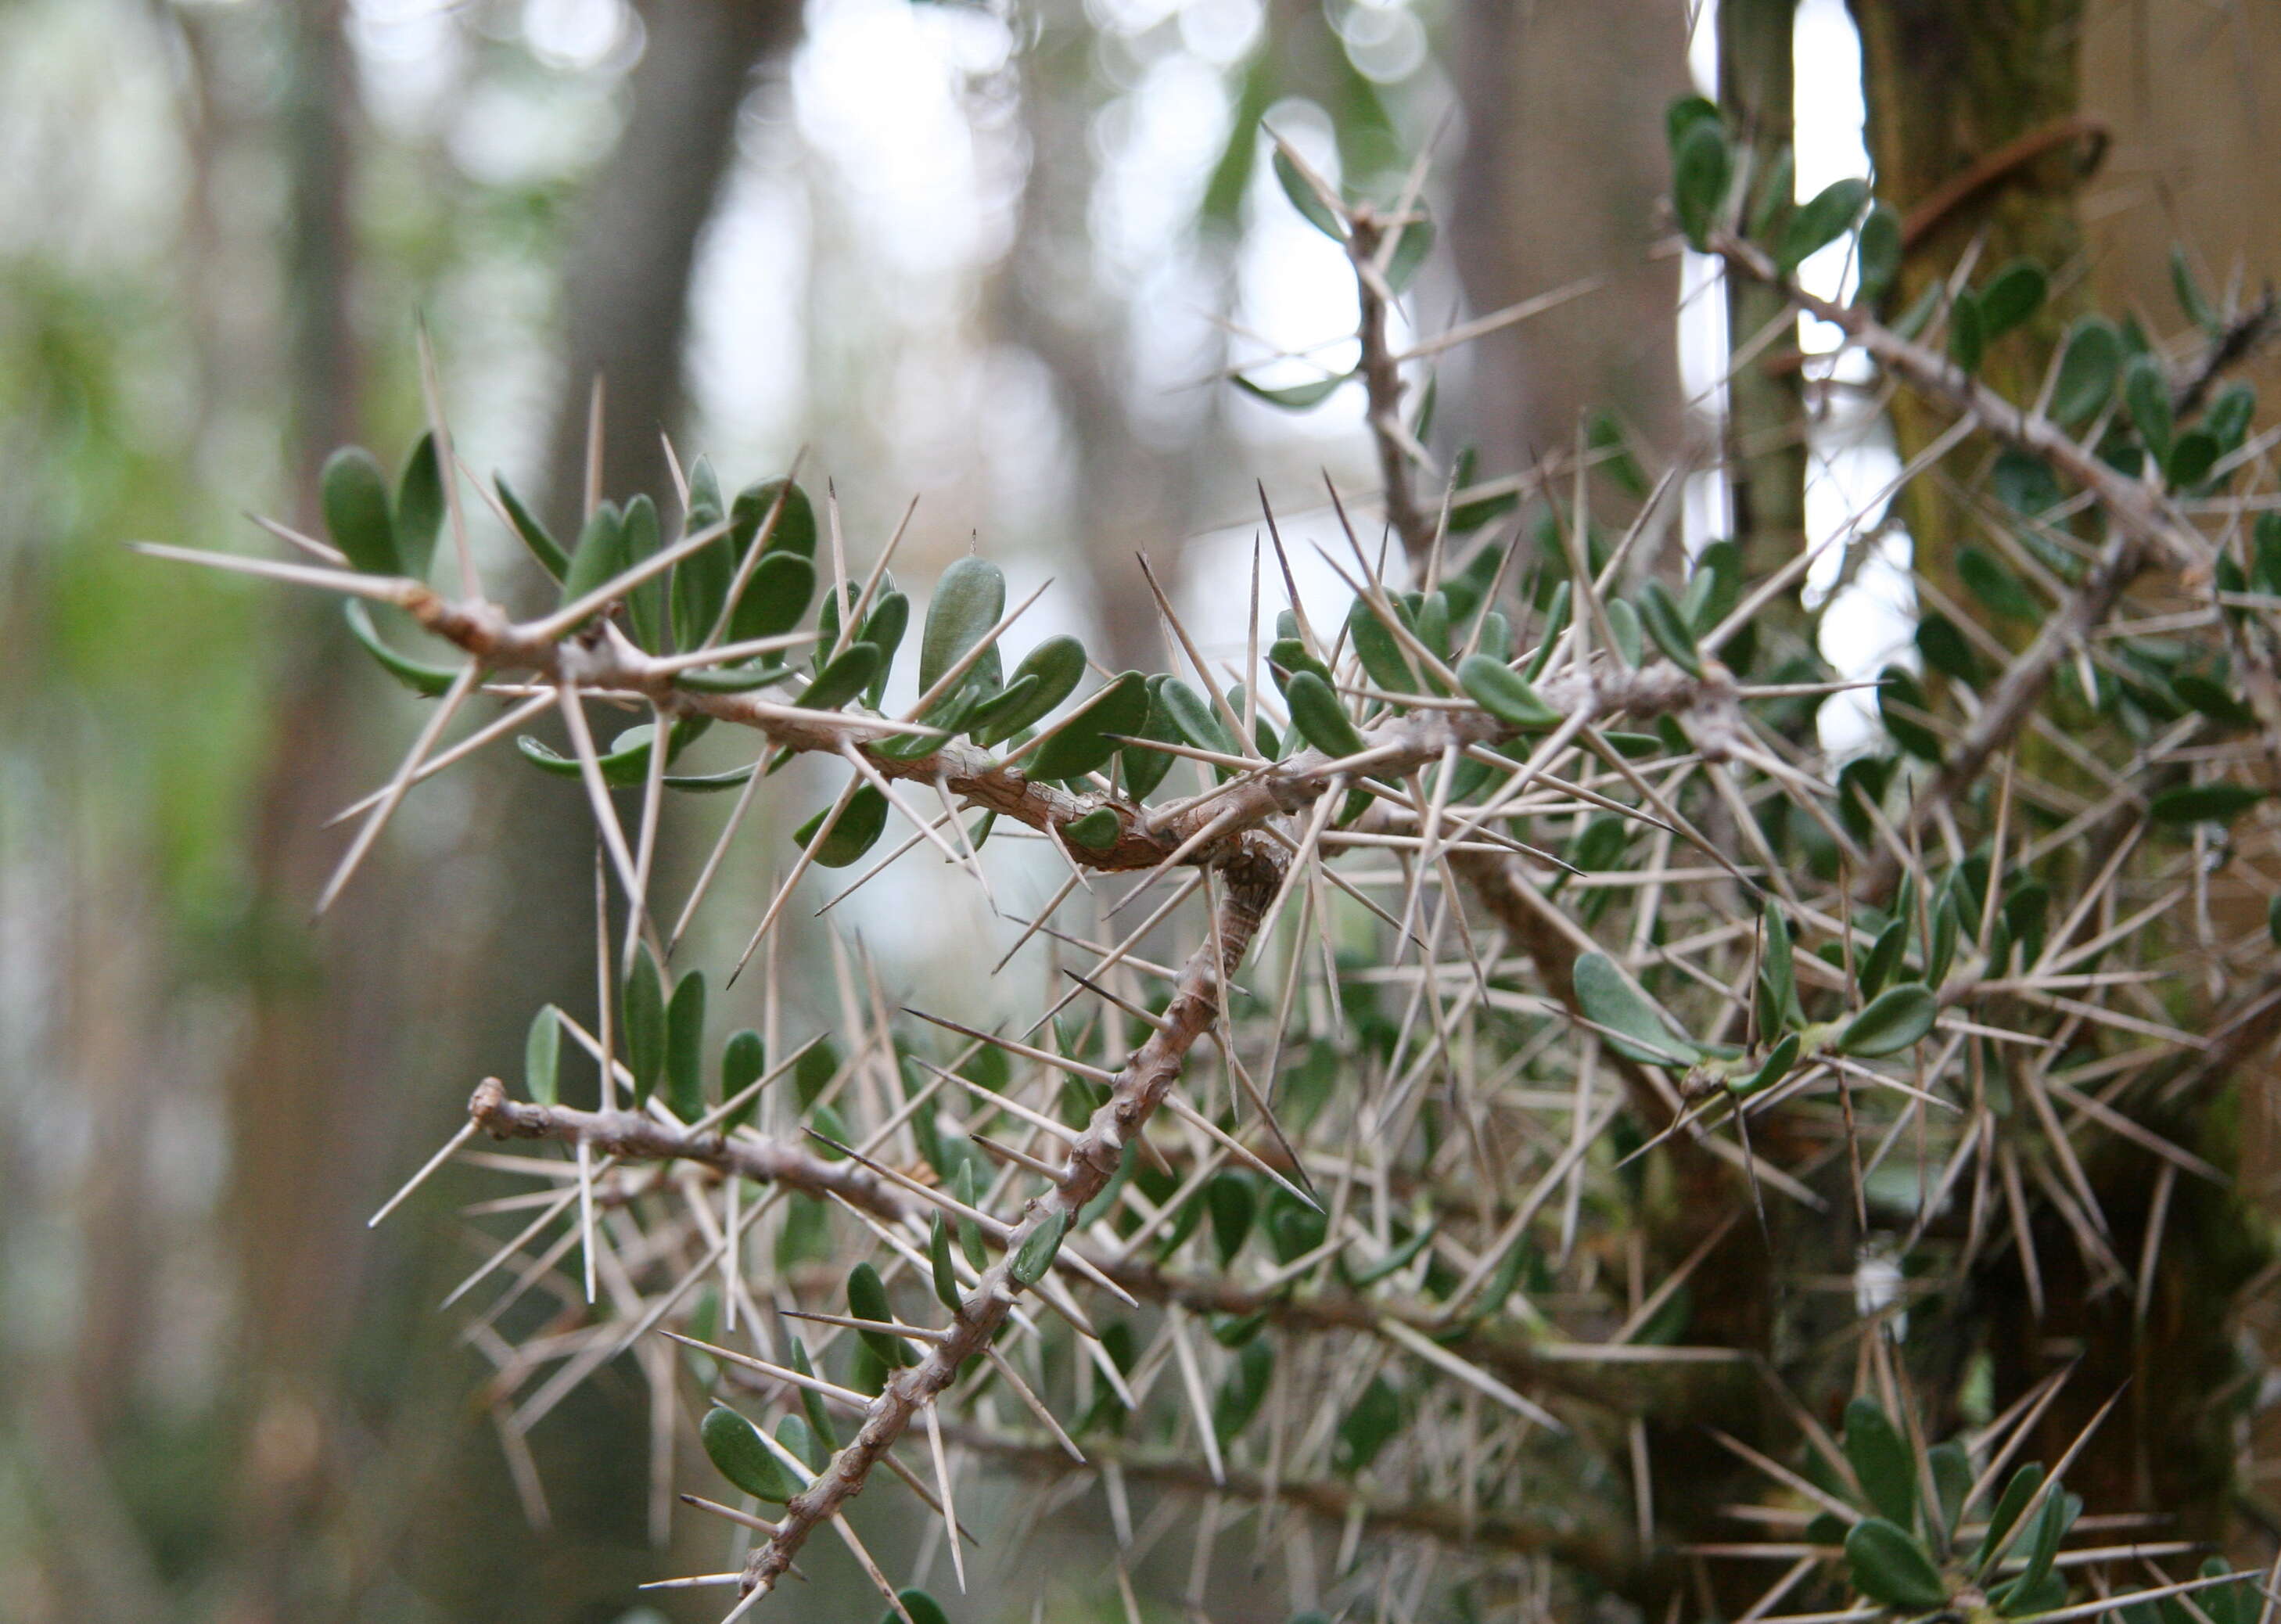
(626, 297)
(1564, 166)
(1766, 418)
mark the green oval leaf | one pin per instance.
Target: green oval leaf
(1082, 744)
(1504, 693)
(1633, 1026)
(1669, 628)
(1820, 221)
(843, 679)
(919, 1606)
(867, 1299)
(1096, 831)
(542, 1057)
(643, 1007)
(1047, 675)
(2146, 397)
(1142, 769)
(2192, 455)
(1379, 649)
(1776, 1066)
(744, 1059)
(2204, 803)
(1305, 198)
(600, 554)
(1320, 719)
(776, 598)
(1878, 257)
(684, 1047)
(353, 495)
(1893, 1020)
(429, 680)
(1701, 168)
(1036, 1254)
(795, 530)
(419, 508)
(2089, 366)
(939, 1258)
(968, 601)
(2012, 297)
(1967, 332)
(1888, 1567)
(1294, 396)
(859, 826)
(734, 1446)
(533, 535)
(1882, 1461)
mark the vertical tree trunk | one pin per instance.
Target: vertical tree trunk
(1766, 419)
(1976, 124)
(1564, 165)
(1952, 87)
(627, 294)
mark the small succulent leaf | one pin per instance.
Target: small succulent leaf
(843, 679)
(867, 1299)
(535, 535)
(733, 1444)
(1877, 259)
(1318, 717)
(1637, 1028)
(1820, 221)
(2089, 366)
(1701, 168)
(426, 680)
(968, 601)
(1890, 1021)
(946, 1274)
(353, 495)
(1887, 1565)
(860, 825)
(1097, 831)
(2204, 803)
(419, 508)
(1882, 1461)
(684, 1047)
(1083, 743)
(1504, 693)
(2146, 397)
(1661, 616)
(1293, 396)
(2012, 297)
(643, 1007)
(542, 1057)
(1036, 1254)
(744, 1059)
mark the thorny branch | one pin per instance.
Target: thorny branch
(1141, 1086)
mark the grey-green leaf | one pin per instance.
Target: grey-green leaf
(734, 1446)
(419, 508)
(684, 1050)
(1888, 1567)
(1634, 1027)
(1893, 1020)
(1881, 1460)
(969, 601)
(542, 1057)
(354, 496)
(1036, 1254)
(644, 1008)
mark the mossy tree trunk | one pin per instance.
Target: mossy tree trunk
(1976, 128)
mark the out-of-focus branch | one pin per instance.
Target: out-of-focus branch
(1604, 1548)
(1141, 1086)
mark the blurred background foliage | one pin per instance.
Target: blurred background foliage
(997, 257)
